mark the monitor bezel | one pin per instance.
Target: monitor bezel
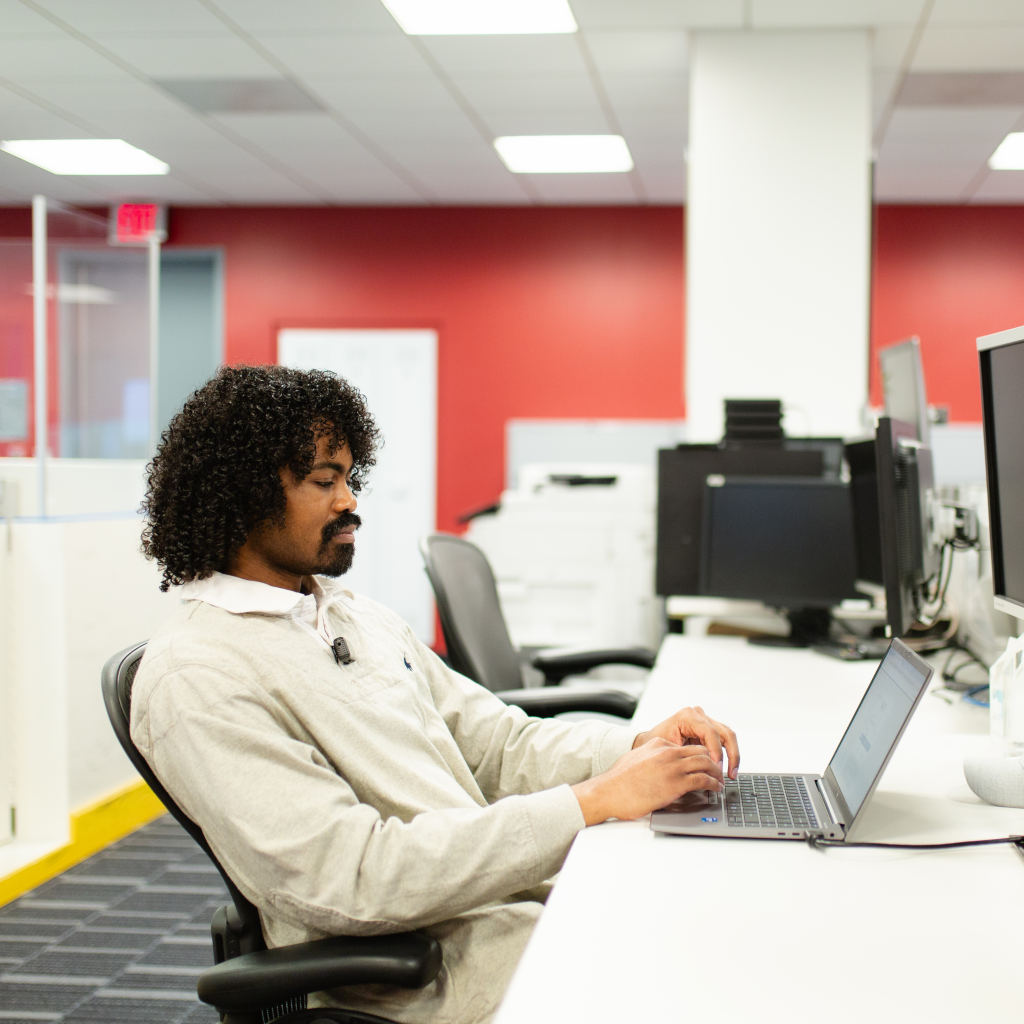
(986, 344)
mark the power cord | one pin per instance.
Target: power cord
(816, 843)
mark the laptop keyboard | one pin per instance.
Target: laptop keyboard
(769, 801)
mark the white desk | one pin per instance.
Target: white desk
(643, 927)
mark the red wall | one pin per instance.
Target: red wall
(947, 274)
(554, 312)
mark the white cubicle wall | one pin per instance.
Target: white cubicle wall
(74, 589)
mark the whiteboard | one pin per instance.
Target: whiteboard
(396, 370)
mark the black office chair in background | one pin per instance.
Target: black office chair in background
(251, 984)
(479, 645)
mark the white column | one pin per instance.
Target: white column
(778, 227)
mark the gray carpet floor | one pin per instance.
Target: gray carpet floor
(119, 939)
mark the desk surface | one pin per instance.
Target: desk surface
(641, 925)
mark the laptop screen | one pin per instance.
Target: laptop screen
(876, 726)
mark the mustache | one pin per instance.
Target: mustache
(336, 526)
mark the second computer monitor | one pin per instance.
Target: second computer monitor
(911, 555)
(786, 541)
(682, 472)
(903, 385)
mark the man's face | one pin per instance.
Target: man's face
(317, 536)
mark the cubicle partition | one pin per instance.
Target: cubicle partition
(77, 344)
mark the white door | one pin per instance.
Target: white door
(397, 372)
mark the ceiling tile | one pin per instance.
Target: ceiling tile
(637, 14)
(550, 121)
(889, 47)
(309, 17)
(645, 53)
(654, 93)
(18, 20)
(136, 17)
(63, 57)
(190, 56)
(90, 98)
(971, 48)
(383, 95)
(962, 89)
(665, 183)
(845, 14)
(354, 55)
(941, 137)
(1001, 187)
(923, 182)
(577, 189)
(976, 12)
(493, 95)
(412, 127)
(507, 56)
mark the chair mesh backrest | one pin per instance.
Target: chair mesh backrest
(117, 680)
(471, 617)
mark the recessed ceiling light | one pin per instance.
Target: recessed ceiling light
(85, 156)
(564, 154)
(1010, 154)
(481, 17)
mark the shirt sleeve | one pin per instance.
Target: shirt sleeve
(291, 833)
(510, 752)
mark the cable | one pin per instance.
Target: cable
(969, 698)
(816, 842)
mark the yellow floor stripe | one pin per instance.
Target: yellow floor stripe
(92, 828)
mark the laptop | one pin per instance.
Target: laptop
(830, 805)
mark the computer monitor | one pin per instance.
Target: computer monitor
(786, 541)
(911, 552)
(867, 538)
(903, 385)
(1002, 404)
(682, 472)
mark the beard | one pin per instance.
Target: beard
(335, 559)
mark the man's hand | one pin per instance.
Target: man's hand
(691, 725)
(647, 778)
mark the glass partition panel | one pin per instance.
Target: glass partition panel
(100, 295)
(16, 433)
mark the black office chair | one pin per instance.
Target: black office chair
(251, 984)
(479, 645)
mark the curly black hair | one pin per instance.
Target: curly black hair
(215, 474)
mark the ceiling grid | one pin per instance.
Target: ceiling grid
(329, 102)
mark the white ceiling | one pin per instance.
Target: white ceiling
(410, 120)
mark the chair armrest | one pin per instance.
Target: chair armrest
(545, 703)
(271, 976)
(557, 666)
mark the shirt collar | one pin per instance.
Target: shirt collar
(239, 596)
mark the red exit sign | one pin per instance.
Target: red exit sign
(137, 223)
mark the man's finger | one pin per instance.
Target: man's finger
(732, 748)
(703, 763)
(706, 732)
(697, 781)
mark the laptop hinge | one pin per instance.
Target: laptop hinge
(829, 805)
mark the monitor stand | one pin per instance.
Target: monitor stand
(811, 627)
(807, 626)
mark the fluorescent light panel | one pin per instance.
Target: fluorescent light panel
(564, 154)
(1010, 154)
(85, 156)
(481, 17)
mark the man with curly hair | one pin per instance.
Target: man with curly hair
(348, 781)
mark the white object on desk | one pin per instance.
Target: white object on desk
(646, 927)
